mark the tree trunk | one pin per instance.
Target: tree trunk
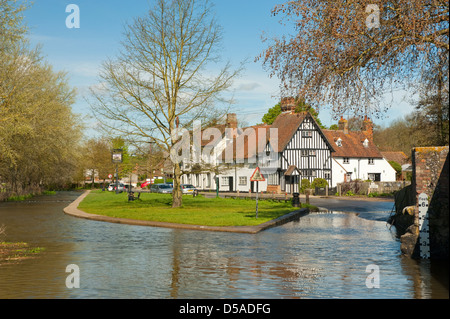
(177, 199)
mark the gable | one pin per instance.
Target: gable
(290, 126)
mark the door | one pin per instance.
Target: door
(230, 183)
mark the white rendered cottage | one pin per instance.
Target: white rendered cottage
(356, 156)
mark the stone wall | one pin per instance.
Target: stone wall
(430, 176)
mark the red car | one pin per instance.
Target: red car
(145, 184)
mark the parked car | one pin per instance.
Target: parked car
(112, 187)
(161, 188)
(145, 184)
(188, 189)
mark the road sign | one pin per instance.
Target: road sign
(424, 231)
(257, 176)
(110, 176)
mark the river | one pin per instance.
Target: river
(321, 255)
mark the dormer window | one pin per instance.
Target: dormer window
(339, 142)
(366, 143)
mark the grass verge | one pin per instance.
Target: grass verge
(14, 252)
(195, 211)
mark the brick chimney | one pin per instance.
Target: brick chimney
(368, 127)
(232, 120)
(288, 104)
(343, 125)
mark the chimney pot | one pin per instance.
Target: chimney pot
(288, 104)
(232, 120)
(343, 125)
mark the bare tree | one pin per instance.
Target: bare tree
(159, 83)
(351, 53)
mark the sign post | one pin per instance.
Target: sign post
(117, 159)
(257, 177)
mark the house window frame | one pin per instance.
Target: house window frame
(242, 180)
(307, 134)
(346, 160)
(371, 161)
(225, 181)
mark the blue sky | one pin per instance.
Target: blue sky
(81, 51)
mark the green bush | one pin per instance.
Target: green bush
(319, 182)
(396, 166)
(304, 184)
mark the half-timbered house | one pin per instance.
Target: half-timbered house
(303, 150)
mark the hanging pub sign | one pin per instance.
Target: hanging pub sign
(117, 156)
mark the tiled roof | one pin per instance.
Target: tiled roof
(243, 137)
(287, 124)
(352, 144)
(398, 157)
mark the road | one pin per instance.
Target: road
(332, 203)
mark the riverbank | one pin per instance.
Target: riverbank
(198, 213)
(15, 252)
(18, 198)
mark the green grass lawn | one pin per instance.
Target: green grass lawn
(195, 211)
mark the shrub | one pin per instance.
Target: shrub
(396, 166)
(319, 182)
(304, 184)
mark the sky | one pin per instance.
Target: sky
(81, 51)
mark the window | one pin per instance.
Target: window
(208, 180)
(366, 143)
(272, 179)
(243, 180)
(371, 161)
(327, 175)
(225, 181)
(346, 160)
(308, 153)
(306, 133)
(308, 172)
(339, 142)
(374, 177)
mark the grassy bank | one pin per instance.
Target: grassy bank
(195, 211)
(18, 198)
(14, 252)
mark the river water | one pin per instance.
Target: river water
(321, 255)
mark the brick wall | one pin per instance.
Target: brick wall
(430, 176)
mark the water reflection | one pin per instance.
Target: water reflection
(317, 256)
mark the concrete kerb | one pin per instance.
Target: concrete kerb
(73, 210)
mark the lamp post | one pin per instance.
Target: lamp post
(117, 159)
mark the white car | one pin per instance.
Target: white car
(188, 189)
(112, 187)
